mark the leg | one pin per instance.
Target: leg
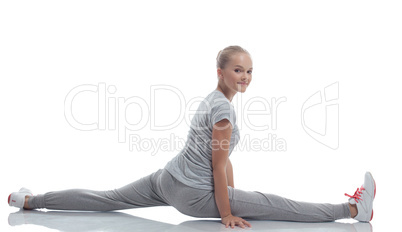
(254, 205)
(144, 192)
(257, 205)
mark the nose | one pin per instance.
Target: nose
(245, 77)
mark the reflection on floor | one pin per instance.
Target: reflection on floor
(117, 221)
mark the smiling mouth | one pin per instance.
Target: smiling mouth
(242, 83)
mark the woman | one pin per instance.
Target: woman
(199, 180)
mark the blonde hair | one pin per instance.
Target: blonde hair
(224, 55)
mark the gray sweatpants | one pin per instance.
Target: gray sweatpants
(162, 189)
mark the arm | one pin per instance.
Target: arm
(221, 134)
(229, 173)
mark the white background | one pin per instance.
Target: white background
(47, 48)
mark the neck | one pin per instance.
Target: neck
(226, 91)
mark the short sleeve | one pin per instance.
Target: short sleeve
(222, 109)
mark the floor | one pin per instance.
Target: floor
(24, 220)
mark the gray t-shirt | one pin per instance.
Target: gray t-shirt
(193, 165)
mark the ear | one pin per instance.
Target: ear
(219, 73)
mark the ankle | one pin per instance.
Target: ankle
(26, 206)
(353, 210)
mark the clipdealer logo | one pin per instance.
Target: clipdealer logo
(320, 116)
(112, 116)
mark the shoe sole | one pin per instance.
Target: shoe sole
(375, 190)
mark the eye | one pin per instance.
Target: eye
(237, 70)
(250, 71)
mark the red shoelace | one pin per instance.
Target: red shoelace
(357, 195)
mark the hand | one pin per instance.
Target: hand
(233, 221)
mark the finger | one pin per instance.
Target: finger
(227, 224)
(241, 225)
(247, 223)
(232, 223)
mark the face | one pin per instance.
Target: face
(237, 73)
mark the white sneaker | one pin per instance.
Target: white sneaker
(17, 199)
(363, 198)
